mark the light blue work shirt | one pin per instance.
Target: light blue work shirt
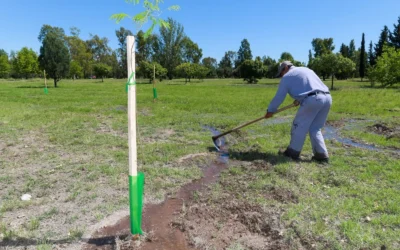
(298, 82)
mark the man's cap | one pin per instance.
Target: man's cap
(282, 66)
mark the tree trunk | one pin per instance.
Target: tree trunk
(332, 83)
(55, 82)
(102, 79)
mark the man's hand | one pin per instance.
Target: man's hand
(268, 115)
(296, 103)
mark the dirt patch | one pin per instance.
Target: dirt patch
(161, 232)
(385, 130)
(231, 223)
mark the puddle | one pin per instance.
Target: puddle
(331, 133)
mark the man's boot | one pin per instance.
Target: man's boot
(295, 155)
(320, 157)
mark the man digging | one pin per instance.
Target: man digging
(303, 85)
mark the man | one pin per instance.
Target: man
(303, 85)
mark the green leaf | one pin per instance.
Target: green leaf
(174, 7)
(119, 17)
(149, 31)
(164, 24)
(141, 17)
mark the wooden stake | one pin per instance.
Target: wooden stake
(132, 106)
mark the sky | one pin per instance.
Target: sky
(217, 26)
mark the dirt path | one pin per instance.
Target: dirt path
(157, 221)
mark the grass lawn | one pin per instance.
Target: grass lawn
(69, 150)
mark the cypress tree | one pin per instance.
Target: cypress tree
(362, 58)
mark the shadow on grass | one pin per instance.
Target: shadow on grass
(33, 87)
(90, 243)
(252, 155)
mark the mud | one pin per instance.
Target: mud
(160, 231)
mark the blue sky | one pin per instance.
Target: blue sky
(271, 27)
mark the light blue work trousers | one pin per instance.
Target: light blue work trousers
(310, 119)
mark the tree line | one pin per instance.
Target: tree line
(172, 54)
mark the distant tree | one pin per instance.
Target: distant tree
(244, 53)
(47, 29)
(352, 50)
(121, 34)
(99, 47)
(251, 70)
(394, 37)
(4, 64)
(212, 65)
(54, 57)
(286, 56)
(169, 46)
(383, 40)
(75, 70)
(190, 51)
(334, 64)
(225, 66)
(146, 70)
(102, 70)
(387, 68)
(26, 62)
(362, 58)
(310, 59)
(144, 47)
(322, 46)
(79, 51)
(200, 71)
(371, 55)
(344, 50)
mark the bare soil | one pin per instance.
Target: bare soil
(160, 231)
(192, 219)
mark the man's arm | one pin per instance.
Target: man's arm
(278, 98)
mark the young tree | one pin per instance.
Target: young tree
(362, 58)
(387, 68)
(146, 70)
(75, 70)
(152, 11)
(54, 57)
(251, 70)
(102, 70)
(26, 62)
(4, 64)
(394, 37)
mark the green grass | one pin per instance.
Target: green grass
(73, 142)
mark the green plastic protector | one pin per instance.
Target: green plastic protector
(136, 184)
(129, 82)
(155, 93)
(46, 91)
